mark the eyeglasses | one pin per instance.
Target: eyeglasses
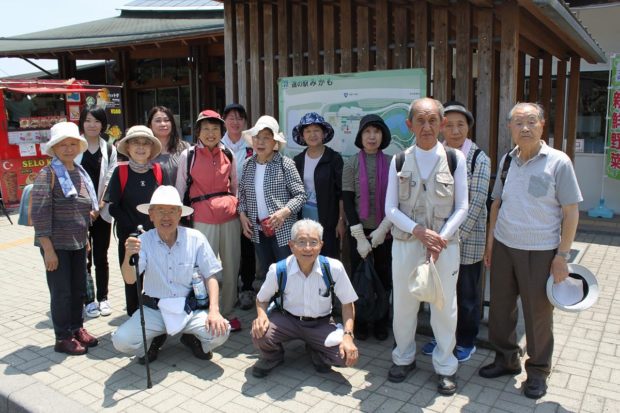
(140, 142)
(302, 243)
(262, 138)
(167, 211)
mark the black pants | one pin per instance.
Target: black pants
(468, 299)
(99, 236)
(268, 252)
(331, 244)
(67, 285)
(247, 269)
(131, 290)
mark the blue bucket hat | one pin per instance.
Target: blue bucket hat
(312, 118)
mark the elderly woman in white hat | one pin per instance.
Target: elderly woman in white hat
(63, 197)
(271, 194)
(133, 184)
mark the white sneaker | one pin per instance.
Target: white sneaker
(92, 310)
(104, 308)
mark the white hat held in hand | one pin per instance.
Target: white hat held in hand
(578, 292)
(166, 195)
(61, 131)
(425, 285)
(265, 122)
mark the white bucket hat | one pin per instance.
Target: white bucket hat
(61, 131)
(266, 122)
(578, 292)
(139, 131)
(166, 195)
(425, 285)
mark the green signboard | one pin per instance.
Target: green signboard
(612, 145)
(343, 99)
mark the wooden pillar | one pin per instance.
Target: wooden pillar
(270, 101)
(346, 41)
(420, 25)
(363, 40)
(297, 29)
(573, 106)
(559, 103)
(382, 28)
(521, 78)
(484, 88)
(229, 55)
(257, 90)
(545, 94)
(242, 59)
(124, 70)
(442, 75)
(508, 70)
(463, 84)
(329, 39)
(400, 58)
(283, 28)
(313, 37)
(534, 70)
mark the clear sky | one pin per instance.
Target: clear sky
(27, 16)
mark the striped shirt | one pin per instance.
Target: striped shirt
(474, 229)
(64, 220)
(168, 270)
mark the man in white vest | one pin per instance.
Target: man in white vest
(427, 202)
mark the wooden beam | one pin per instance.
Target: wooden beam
(484, 84)
(420, 25)
(229, 44)
(401, 30)
(313, 37)
(573, 106)
(269, 62)
(283, 33)
(541, 36)
(463, 63)
(167, 53)
(363, 40)
(329, 39)
(521, 77)
(545, 94)
(346, 40)
(382, 29)
(297, 29)
(442, 76)
(482, 3)
(256, 91)
(508, 68)
(242, 66)
(534, 76)
(559, 103)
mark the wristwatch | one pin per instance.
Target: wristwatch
(565, 255)
(349, 333)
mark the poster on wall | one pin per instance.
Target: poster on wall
(612, 145)
(15, 174)
(109, 99)
(343, 99)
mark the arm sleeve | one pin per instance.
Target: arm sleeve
(567, 188)
(295, 186)
(112, 162)
(392, 212)
(234, 179)
(181, 178)
(461, 203)
(498, 187)
(41, 204)
(242, 204)
(269, 287)
(114, 198)
(478, 191)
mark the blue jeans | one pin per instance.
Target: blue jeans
(468, 300)
(67, 285)
(268, 252)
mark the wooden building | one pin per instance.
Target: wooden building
(487, 54)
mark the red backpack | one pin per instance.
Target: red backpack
(123, 172)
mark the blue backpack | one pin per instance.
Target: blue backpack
(281, 273)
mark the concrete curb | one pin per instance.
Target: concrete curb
(20, 394)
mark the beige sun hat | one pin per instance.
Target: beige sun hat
(425, 285)
(61, 131)
(166, 195)
(266, 122)
(139, 131)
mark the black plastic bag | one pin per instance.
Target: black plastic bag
(372, 303)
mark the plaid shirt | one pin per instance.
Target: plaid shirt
(283, 187)
(473, 229)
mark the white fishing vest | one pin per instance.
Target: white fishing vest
(428, 202)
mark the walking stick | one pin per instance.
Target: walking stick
(134, 260)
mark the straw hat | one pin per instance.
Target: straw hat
(61, 131)
(166, 195)
(139, 131)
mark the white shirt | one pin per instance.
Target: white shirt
(259, 185)
(303, 295)
(309, 167)
(168, 270)
(426, 161)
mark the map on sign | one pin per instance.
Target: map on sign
(343, 100)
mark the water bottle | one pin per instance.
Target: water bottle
(200, 291)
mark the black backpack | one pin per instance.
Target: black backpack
(372, 303)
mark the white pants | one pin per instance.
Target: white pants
(128, 337)
(224, 241)
(406, 255)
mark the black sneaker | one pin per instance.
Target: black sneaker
(263, 367)
(194, 344)
(446, 385)
(398, 373)
(154, 348)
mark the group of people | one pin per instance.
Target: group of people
(250, 211)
